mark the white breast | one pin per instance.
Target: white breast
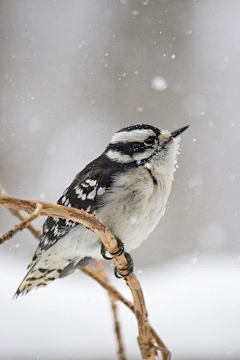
(134, 207)
(135, 204)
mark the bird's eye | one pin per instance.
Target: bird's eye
(150, 141)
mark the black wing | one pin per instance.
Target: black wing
(84, 193)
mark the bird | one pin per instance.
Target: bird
(126, 188)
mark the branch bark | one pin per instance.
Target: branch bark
(101, 272)
(22, 225)
(36, 233)
(92, 223)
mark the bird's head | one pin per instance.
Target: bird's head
(140, 144)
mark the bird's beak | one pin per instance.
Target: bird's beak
(179, 131)
(167, 137)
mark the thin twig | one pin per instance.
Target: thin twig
(23, 224)
(36, 233)
(121, 351)
(94, 275)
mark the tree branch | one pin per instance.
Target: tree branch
(23, 224)
(110, 243)
(36, 233)
(166, 355)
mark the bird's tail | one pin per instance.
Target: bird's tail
(40, 275)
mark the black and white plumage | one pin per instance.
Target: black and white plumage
(127, 187)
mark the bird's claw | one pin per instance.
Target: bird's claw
(117, 253)
(129, 267)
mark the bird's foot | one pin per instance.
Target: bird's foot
(118, 253)
(129, 267)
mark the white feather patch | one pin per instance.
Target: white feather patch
(132, 136)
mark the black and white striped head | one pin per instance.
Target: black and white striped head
(138, 143)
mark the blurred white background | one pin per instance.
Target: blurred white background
(74, 72)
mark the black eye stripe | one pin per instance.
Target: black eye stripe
(128, 148)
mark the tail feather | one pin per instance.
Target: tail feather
(75, 265)
(40, 275)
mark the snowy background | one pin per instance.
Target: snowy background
(74, 72)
